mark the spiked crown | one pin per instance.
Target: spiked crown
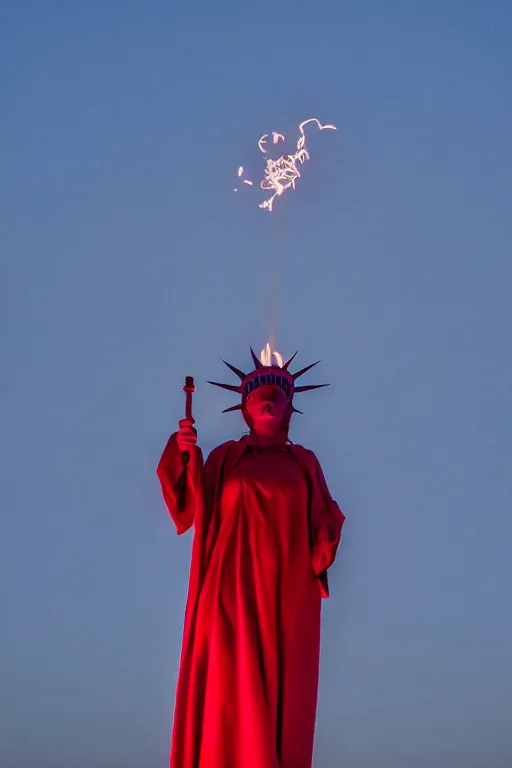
(266, 375)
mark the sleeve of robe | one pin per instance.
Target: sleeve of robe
(188, 489)
(181, 483)
(326, 524)
(189, 486)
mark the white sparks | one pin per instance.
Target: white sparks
(281, 174)
(262, 142)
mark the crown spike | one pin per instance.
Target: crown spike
(230, 387)
(256, 360)
(241, 375)
(304, 370)
(285, 366)
(233, 408)
(307, 387)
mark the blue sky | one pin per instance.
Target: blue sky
(128, 262)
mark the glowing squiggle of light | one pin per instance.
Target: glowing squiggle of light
(246, 181)
(281, 174)
(262, 142)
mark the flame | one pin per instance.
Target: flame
(281, 174)
(267, 353)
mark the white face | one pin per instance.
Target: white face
(267, 407)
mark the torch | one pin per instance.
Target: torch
(189, 388)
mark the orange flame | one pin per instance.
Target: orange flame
(267, 353)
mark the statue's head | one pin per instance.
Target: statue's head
(267, 411)
(267, 395)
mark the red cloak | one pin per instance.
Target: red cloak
(266, 531)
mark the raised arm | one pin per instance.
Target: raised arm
(180, 475)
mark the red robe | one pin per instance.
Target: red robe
(266, 531)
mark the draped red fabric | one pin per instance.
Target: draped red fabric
(266, 531)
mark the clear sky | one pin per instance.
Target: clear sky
(128, 262)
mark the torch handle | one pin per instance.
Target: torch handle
(189, 388)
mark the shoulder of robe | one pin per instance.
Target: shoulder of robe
(303, 453)
(308, 459)
(218, 454)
